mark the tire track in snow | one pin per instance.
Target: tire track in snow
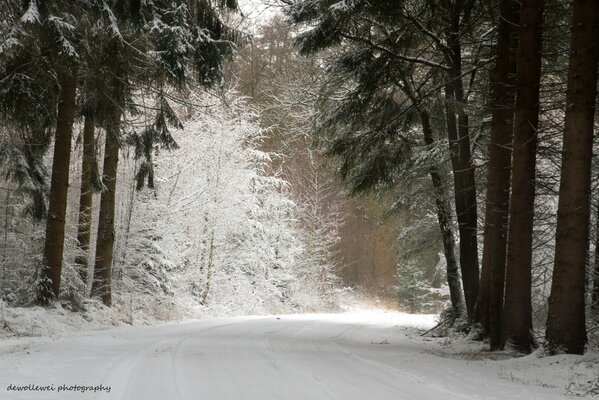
(126, 375)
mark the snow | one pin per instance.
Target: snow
(32, 15)
(356, 355)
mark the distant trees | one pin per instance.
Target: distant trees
(282, 85)
(227, 239)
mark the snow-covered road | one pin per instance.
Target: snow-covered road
(307, 357)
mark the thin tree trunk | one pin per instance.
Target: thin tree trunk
(517, 313)
(490, 298)
(595, 290)
(86, 197)
(467, 233)
(444, 216)
(209, 268)
(102, 282)
(463, 170)
(566, 329)
(7, 218)
(54, 242)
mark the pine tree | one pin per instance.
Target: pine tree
(490, 300)
(517, 312)
(566, 327)
(458, 131)
(86, 196)
(412, 289)
(49, 30)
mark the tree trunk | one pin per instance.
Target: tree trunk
(463, 171)
(102, 282)
(517, 313)
(54, 242)
(491, 288)
(85, 197)
(595, 291)
(566, 329)
(444, 218)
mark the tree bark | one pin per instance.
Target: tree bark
(517, 313)
(444, 216)
(595, 290)
(54, 241)
(86, 197)
(463, 170)
(566, 325)
(491, 288)
(102, 282)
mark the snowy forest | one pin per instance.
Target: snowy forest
(218, 160)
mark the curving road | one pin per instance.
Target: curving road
(311, 357)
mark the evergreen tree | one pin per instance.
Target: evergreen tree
(566, 326)
(490, 299)
(517, 312)
(49, 30)
(86, 196)
(412, 289)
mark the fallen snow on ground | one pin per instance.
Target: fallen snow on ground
(358, 355)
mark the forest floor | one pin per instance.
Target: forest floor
(366, 355)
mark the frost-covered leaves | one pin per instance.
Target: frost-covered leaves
(224, 232)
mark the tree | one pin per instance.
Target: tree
(566, 327)
(86, 196)
(458, 15)
(102, 280)
(413, 289)
(490, 298)
(49, 30)
(54, 244)
(517, 312)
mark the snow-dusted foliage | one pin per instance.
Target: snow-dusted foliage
(216, 231)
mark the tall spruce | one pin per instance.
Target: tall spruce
(55, 227)
(457, 18)
(50, 30)
(517, 312)
(115, 95)
(566, 326)
(490, 298)
(86, 195)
